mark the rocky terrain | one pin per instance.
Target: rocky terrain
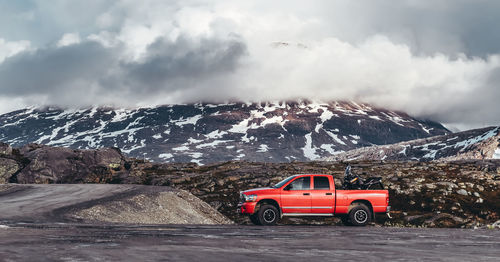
(136, 204)
(431, 194)
(461, 193)
(209, 133)
(481, 143)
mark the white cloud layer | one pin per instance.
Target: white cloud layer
(432, 59)
(69, 39)
(8, 49)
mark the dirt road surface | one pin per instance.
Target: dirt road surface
(79, 242)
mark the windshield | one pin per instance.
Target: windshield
(280, 184)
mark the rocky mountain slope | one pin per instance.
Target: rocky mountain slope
(434, 194)
(207, 133)
(481, 143)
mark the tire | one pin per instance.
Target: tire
(345, 220)
(360, 215)
(268, 215)
(255, 219)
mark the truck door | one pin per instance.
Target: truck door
(296, 196)
(322, 195)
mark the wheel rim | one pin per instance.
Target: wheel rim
(361, 216)
(269, 216)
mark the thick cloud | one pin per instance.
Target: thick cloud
(434, 59)
(183, 64)
(89, 73)
(56, 75)
(427, 27)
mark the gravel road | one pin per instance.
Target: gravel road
(81, 242)
(38, 202)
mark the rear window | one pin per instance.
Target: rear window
(321, 183)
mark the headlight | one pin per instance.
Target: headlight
(250, 198)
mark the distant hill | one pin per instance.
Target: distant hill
(481, 143)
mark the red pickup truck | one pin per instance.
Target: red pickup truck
(312, 195)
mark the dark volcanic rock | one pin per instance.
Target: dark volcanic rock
(207, 133)
(65, 165)
(425, 189)
(8, 168)
(5, 149)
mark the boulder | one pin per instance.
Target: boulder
(110, 157)
(65, 165)
(8, 167)
(5, 149)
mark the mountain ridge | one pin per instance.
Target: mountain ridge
(205, 133)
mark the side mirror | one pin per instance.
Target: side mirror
(289, 187)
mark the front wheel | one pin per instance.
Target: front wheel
(268, 215)
(255, 219)
(360, 215)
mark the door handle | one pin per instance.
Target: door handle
(328, 194)
(306, 194)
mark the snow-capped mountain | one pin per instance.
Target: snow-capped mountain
(204, 133)
(481, 143)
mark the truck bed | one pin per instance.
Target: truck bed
(378, 199)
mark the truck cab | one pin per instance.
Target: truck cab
(312, 195)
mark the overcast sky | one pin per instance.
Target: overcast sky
(438, 60)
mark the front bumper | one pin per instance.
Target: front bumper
(246, 208)
(388, 211)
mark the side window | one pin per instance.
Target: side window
(303, 183)
(321, 183)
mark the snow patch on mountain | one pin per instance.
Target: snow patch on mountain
(188, 121)
(165, 155)
(335, 138)
(216, 134)
(309, 150)
(329, 148)
(181, 148)
(263, 148)
(212, 144)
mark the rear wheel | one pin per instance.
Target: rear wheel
(360, 215)
(254, 219)
(268, 215)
